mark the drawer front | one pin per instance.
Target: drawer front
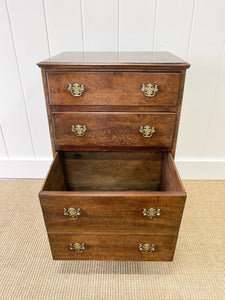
(113, 246)
(70, 213)
(113, 88)
(114, 129)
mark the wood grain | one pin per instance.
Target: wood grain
(113, 129)
(117, 246)
(112, 170)
(110, 186)
(113, 211)
(170, 178)
(55, 179)
(45, 86)
(113, 88)
(179, 106)
(122, 212)
(154, 60)
(113, 108)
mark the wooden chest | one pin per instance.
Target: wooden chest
(113, 191)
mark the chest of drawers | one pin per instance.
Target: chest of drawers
(113, 191)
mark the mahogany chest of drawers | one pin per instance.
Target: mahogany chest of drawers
(113, 191)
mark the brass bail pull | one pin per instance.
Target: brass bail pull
(79, 130)
(147, 131)
(72, 213)
(77, 247)
(76, 89)
(151, 213)
(149, 90)
(146, 248)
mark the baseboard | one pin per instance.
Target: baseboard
(34, 169)
(24, 168)
(202, 170)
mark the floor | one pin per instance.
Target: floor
(28, 271)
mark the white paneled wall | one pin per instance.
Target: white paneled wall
(32, 30)
(64, 25)
(136, 25)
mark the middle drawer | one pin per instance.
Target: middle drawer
(113, 129)
(113, 191)
(83, 211)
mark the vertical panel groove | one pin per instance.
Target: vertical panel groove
(3, 138)
(214, 99)
(191, 30)
(46, 27)
(20, 79)
(153, 43)
(82, 23)
(100, 25)
(136, 25)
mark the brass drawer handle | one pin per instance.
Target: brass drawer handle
(147, 131)
(72, 212)
(76, 89)
(146, 248)
(79, 130)
(149, 90)
(77, 247)
(151, 213)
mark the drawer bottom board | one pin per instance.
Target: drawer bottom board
(113, 246)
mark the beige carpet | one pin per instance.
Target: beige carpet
(28, 271)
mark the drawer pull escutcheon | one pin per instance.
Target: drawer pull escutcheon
(151, 213)
(146, 248)
(76, 89)
(149, 90)
(77, 247)
(79, 130)
(147, 131)
(72, 212)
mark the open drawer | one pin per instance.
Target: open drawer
(87, 192)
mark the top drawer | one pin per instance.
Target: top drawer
(113, 88)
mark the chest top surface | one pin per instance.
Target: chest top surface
(115, 59)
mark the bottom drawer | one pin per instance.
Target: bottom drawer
(156, 247)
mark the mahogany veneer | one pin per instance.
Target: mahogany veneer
(108, 170)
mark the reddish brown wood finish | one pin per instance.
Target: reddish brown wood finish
(113, 129)
(179, 105)
(114, 108)
(116, 246)
(112, 188)
(129, 63)
(45, 84)
(170, 178)
(113, 88)
(114, 211)
(112, 171)
(55, 179)
(115, 60)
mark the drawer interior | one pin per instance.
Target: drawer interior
(113, 171)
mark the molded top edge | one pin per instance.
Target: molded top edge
(114, 59)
